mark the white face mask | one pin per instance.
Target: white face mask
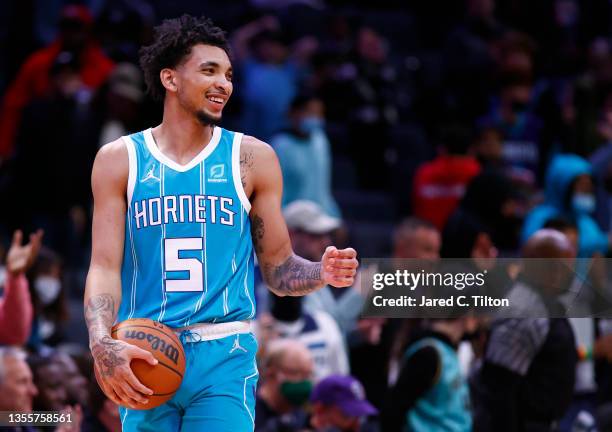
(47, 288)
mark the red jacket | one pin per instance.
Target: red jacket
(33, 81)
(439, 185)
(15, 311)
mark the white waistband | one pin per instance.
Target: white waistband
(210, 331)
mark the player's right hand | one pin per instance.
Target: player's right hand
(112, 360)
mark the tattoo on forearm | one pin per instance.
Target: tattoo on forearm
(99, 313)
(105, 352)
(99, 316)
(257, 232)
(246, 163)
(295, 277)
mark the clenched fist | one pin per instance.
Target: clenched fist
(339, 266)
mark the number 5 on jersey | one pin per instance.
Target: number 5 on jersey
(174, 263)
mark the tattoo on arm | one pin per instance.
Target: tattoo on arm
(246, 164)
(105, 352)
(295, 277)
(257, 232)
(99, 316)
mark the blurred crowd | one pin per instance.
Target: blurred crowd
(477, 129)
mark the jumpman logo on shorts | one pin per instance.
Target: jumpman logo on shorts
(150, 176)
(237, 345)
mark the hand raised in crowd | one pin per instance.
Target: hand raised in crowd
(339, 266)
(21, 257)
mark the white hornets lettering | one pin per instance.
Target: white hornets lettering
(183, 208)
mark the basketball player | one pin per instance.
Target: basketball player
(180, 210)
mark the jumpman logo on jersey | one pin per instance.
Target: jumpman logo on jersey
(150, 176)
(237, 346)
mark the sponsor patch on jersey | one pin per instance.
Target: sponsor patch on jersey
(216, 174)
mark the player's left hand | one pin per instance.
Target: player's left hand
(339, 266)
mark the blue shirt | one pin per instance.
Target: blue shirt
(445, 407)
(266, 91)
(306, 165)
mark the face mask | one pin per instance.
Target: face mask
(296, 393)
(47, 288)
(583, 203)
(311, 123)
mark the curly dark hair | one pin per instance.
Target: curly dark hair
(173, 41)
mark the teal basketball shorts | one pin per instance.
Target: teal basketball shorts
(217, 393)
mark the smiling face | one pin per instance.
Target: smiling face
(202, 83)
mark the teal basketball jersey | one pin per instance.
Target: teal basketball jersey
(445, 406)
(188, 255)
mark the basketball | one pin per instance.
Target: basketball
(165, 377)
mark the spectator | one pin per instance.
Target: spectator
(516, 56)
(465, 236)
(49, 377)
(49, 299)
(569, 194)
(371, 93)
(576, 300)
(492, 205)
(339, 403)
(285, 387)
(439, 185)
(270, 75)
(416, 239)
(487, 217)
(488, 148)
(601, 162)
(16, 306)
(53, 395)
(60, 116)
(588, 106)
(124, 26)
(17, 388)
(526, 380)
(431, 394)
(470, 61)
(122, 103)
(74, 382)
(310, 228)
(33, 79)
(305, 157)
(318, 332)
(102, 414)
(512, 112)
